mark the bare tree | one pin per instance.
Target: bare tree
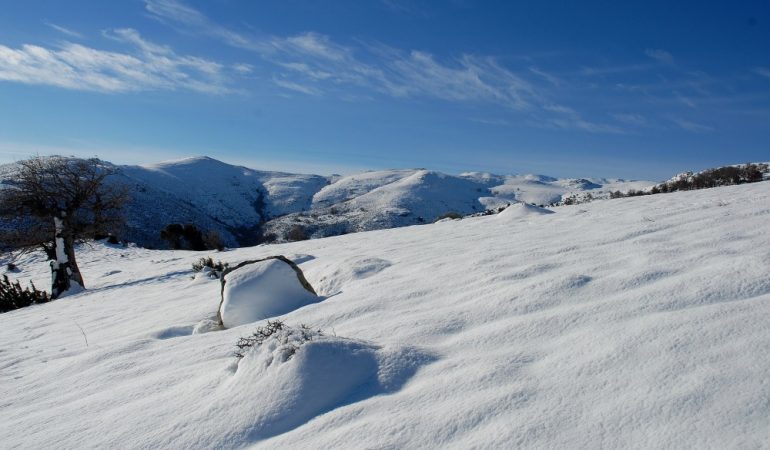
(54, 202)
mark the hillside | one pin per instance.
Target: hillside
(636, 322)
(247, 206)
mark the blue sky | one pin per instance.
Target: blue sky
(565, 88)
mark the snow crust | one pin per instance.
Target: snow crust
(261, 290)
(632, 323)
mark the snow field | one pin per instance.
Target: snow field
(631, 323)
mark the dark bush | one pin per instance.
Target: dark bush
(194, 237)
(213, 241)
(449, 215)
(13, 296)
(720, 176)
(173, 235)
(188, 237)
(296, 233)
(216, 268)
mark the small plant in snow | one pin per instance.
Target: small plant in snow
(284, 339)
(13, 296)
(208, 266)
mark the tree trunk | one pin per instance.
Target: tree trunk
(64, 268)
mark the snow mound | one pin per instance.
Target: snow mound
(262, 289)
(522, 210)
(297, 374)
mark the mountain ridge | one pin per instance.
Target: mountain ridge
(248, 206)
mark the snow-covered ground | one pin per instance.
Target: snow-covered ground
(631, 323)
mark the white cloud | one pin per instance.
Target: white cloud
(312, 58)
(467, 79)
(314, 64)
(292, 86)
(243, 69)
(66, 31)
(614, 70)
(630, 119)
(692, 126)
(685, 100)
(554, 80)
(177, 12)
(494, 122)
(567, 118)
(763, 71)
(659, 55)
(148, 67)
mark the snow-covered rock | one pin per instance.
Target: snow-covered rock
(521, 210)
(263, 289)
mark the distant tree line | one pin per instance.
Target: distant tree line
(721, 176)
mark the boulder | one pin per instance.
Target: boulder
(261, 289)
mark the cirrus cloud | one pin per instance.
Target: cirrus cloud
(147, 66)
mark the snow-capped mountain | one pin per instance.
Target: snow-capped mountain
(233, 200)
(246, 206)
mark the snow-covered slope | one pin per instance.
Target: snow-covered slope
(545, 190)
(631, 323)
(393, 198)
(212, 195)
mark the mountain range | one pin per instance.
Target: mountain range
(247, 206)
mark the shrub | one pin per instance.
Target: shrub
(173, 235)
(189, 237)
(296, 233)
(288, 338)
(194, 237)
(449, 215)
(213, 241)
(207, 265)
(13, 296)
(720, 176)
